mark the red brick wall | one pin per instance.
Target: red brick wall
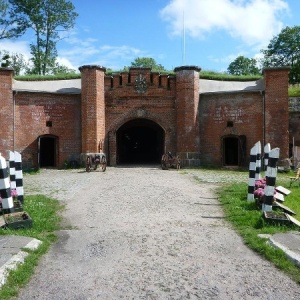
(6, 111)
(32, 112)
(276, 106)
(244, 110)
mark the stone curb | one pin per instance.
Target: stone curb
(294, 257)
(16, 260)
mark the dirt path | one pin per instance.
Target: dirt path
(144, 233)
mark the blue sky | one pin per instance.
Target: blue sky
(205, 33)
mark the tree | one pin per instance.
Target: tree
(18, 63)
(9, 27)
(22, 66)
(62, 69)
(243, 66)
(14, 60)
(47, 18)
(284, 50)
(147, 62)
(5, 60)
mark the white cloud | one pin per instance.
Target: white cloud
(16, 47)
(114, 56)
(65, 62)
(76, 51)
(89, 50)
(226, 59)
(254, 22)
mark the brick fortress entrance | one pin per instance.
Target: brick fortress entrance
(136, 116)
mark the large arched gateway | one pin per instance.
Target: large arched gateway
(139, 141)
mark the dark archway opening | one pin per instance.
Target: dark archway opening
(47, 151)
(231, 151)
(139, 141)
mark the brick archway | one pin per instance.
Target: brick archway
(139, 141)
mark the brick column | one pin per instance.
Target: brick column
(276, 104)
(92, 108)
(7, 110)
(187, 102)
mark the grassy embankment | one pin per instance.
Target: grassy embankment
(46, 219)
(294, 91)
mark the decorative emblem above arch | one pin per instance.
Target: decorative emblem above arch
(140, 84)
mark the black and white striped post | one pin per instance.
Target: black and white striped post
(252, 172)
(258, 160)
(267, 150)
(5, 191)
(271, 175)
(12, 170)
(19, 177)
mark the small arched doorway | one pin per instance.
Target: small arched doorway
(139, 141)
(47, 149)
(233, 148)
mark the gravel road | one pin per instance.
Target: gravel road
(144, 233)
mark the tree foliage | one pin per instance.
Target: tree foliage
(243, 66)
(62, 69)
(4, 60)
(18, 63)
(47, 18)
(284, 50)
(14, 60)
(21, 65)
(147, 62)
(9, 26)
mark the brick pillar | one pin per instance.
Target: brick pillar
(187, 102)
(92, 108)
(276, 103)
(6, 111)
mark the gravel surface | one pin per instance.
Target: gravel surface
(144, 233)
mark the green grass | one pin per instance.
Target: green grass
(46, 220)
(203, 74)
(294, 91)
(227, 77)
(248, 221)
(48, 77)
